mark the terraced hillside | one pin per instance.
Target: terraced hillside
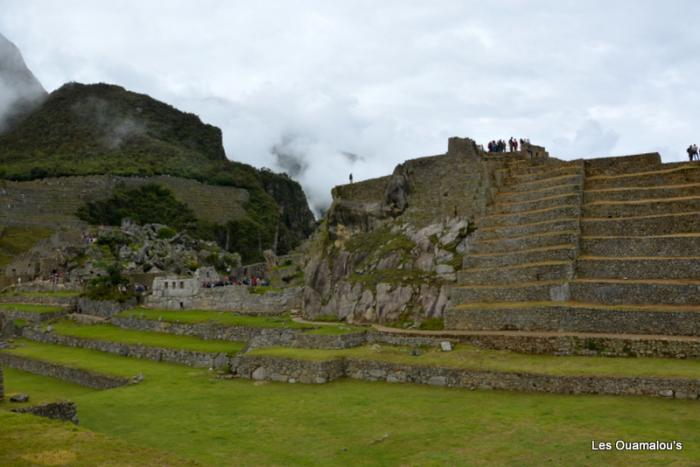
(600, 246)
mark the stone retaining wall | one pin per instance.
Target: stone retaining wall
(566, 319)
(287, 370)
(31, 317)
(290, 370)
(181, 356)
(65, 411)
(553, 345)
(229, 298)
(74, 375)
(256, 337)
(589, 346)
(103, 308)
(39, 300)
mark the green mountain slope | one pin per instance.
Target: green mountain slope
(104, 129)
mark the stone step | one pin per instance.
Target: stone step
(622, 164)
(520, 230)
(509, 196)
(534, 204)
(641, 246)
(528, 217)
(575, 317)
(661, 224)
(638, 267)
(544, 173)
(676, 175)
(504, 245)
(522, 292)
(641, 192)
(528, 272)
(635, 292)
(641, 207)
(546, 183)
(563, 252)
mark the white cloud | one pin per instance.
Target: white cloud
(387, 80)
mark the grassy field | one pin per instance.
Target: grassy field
(474, 358)
(31, 308)
(26, 440)
(194, 415)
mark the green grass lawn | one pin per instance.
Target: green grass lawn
(26, 440)
(221, 317)
(474, 358)
(194, 415)
(40, 389)
(30, 308)
(106, 332)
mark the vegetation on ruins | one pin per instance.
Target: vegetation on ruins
(112, 286)
(149, 204)
(17, 240)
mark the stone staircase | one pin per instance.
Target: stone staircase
(605, 245)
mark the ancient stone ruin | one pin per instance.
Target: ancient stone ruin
(515, 242)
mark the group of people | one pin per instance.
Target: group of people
(693, 153)
(501, 145)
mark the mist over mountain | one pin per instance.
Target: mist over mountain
(20, 91)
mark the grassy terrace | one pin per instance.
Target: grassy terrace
(106, 332)
(192, 415)
(84, 359)
(57, 294)
(41, 389)
(220, 317)
(30, 308)
(228, 318)
(473, 358)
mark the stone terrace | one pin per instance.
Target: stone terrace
(602, 246)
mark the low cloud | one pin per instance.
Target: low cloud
(115, 130)
(310, 86)
(20, 92)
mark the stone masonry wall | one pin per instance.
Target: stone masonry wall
(459, 183)
(54, 201)
(366, 191)
(64, 411)
(73, 375)
(229, 298)
(288, 370)
(577, 320)
(180, 356)
(255, 337)
(103, 308)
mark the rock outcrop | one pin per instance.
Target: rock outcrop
(389, 247)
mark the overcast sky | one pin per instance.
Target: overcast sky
(325, 88)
